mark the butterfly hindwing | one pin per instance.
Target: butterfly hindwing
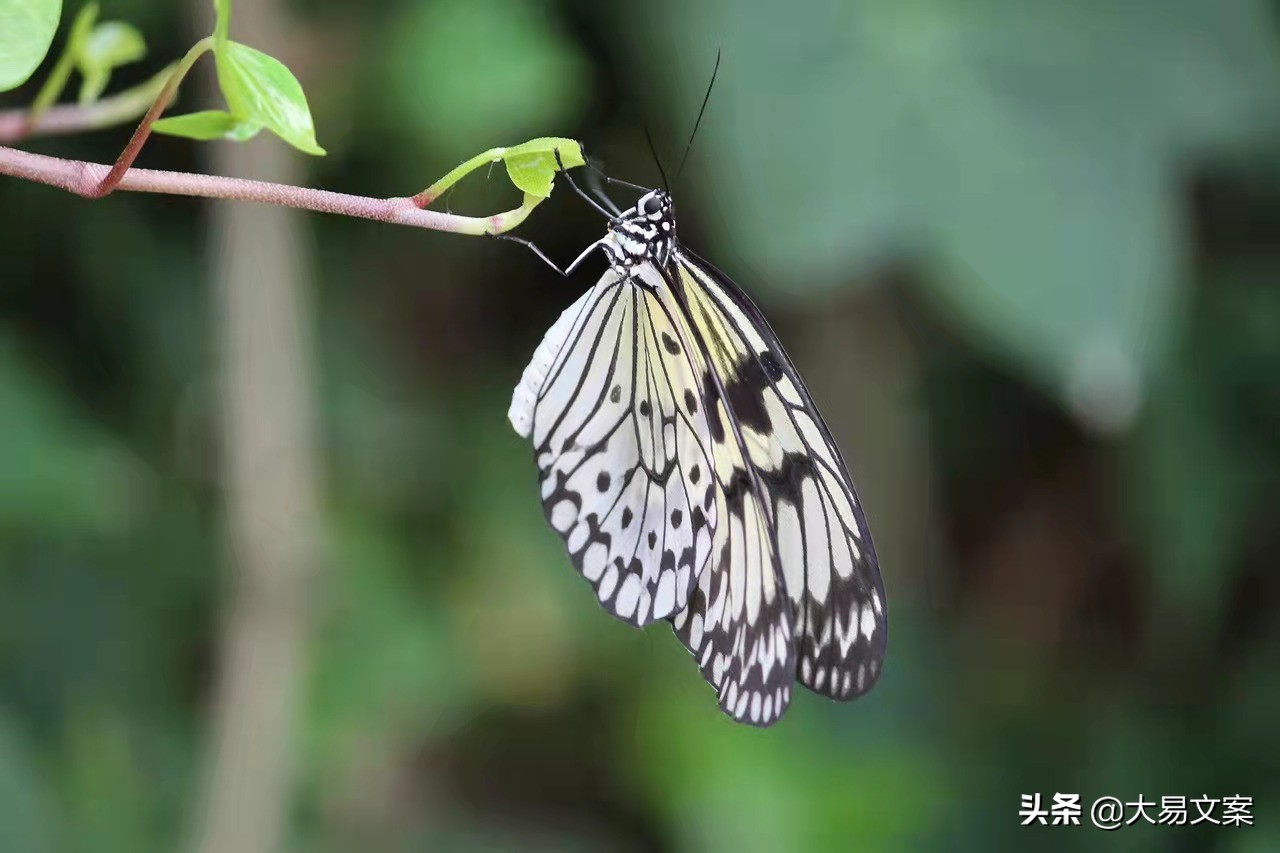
(827, 558)
(623, 460)
(738, 624)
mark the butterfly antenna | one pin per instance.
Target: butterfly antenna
(594, 179)
(591, 164)
(577, 189)
(701, 110)
(657, 162)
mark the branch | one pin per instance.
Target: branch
(131, 151)
(95, 180)
(17, 125)
(87, 179)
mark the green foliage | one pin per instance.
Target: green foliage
(107, 46)
(260, 90)
(1192, 476)
(463, 72)
(81, 26)
(715, 775)
(28, 813)
(95, 50)
(1027, 155)
(207, 125)
(222, 22)
(26, 31)
(532, 165)
(54, 469)
(260, 93)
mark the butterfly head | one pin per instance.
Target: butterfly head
(654, 206)
(645, 233)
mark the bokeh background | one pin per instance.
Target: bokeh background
(1026, 255)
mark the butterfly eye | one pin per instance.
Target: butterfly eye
(651, 206)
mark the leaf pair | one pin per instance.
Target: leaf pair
(260, 93)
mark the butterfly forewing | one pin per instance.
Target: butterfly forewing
(623, 461)
(828, 561)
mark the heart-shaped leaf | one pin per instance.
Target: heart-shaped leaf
(532, 165)
(260, 89)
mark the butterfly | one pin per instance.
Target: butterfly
(683, 463)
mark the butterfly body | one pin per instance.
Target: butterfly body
(643, 234)
(683, 463)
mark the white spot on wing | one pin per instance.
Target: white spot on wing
(577, 538)
(608, 583)
(593, 561)
(628, 596)
(563, 515)
(868, 622)
(695, 631)
(665, 599)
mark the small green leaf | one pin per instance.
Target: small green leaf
(222, 8)
(108, 46)
(262, 90)
(26, 31)
(532, 165)
(207, 125)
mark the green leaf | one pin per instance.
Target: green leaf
(261, 90)
(108, 46)
(53, 85)
(207, 125)
(1031, 154)
(461, 73)
(26, 31)
(222, 24)
(532, 165)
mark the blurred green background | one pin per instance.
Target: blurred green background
(1026, 255)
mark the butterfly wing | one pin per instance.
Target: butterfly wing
(623, 461)
(827, 558)
(738, 624)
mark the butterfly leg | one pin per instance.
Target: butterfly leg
(531, 246)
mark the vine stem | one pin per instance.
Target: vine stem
(86, 179)
(96, 180)
(115, 174)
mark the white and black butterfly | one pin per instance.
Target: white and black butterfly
(692, 479)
